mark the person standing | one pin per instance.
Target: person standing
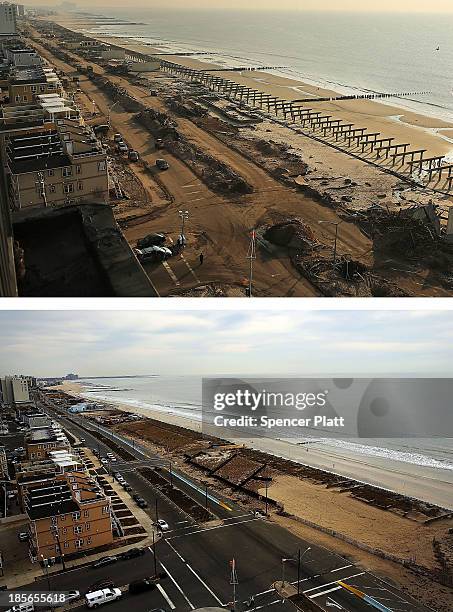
(201, 259)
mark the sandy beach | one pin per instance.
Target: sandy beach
(434, 135)
(421, 482)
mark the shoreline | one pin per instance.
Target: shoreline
(383, 472)
(423, 131)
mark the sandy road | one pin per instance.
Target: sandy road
(218, 226)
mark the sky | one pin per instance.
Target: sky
(314, 5)
(207, 342)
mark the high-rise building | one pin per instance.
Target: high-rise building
(8, 25)
(15, 390)
(8, 284)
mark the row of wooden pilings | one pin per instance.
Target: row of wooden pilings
(400, 156)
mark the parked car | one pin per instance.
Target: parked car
(132, 553)
(127, 487)
(104, 561)
(101, 129)
(162, 164)
(159, 143)
(133, 155)
(117, 138)
(136, 497)
(163, 525)
(97, 598)
(104, 460)
(154, 253)
(72, 596)
(151, 240)
(142, 503)
(140, 586)
(153, 93)
(122, 147)
(23, 536)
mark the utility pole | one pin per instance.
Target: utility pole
(41, 185)
(45, 563)
(154, 554)
(233, 581)
(55, 531)
(206, 497)
(336, 223)
(251, 256)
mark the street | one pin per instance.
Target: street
(196, 557)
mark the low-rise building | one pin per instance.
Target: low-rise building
(68, 514)
(60, 165)
(26, 84)
(41, 441)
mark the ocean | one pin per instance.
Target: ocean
(182, 396)
(350, 53)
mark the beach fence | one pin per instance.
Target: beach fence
(399, 158)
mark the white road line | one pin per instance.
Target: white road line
(175, 551)
(211, 528)
(181, 522)
(230, 518)
(193, 192)
(325, 592)
(341, 568)
(321, 586)
(204, 584)
(192, 607)
(196, 200)
(191, 270)
(190, 185)
(266, 605)
(166, 597)
(173, 276)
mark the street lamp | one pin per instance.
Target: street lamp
(336, 223)
(110, 113)
(184, 216)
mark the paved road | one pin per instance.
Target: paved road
(196, 557)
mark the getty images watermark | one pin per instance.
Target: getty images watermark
(335, 407)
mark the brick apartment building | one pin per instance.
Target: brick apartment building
(68, 514)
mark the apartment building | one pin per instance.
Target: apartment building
(19, 57)
(15, 390)
(25, 84)
(3, 464)
(8, 282)
(61, 164)
(41, 441)
(8, 23)
(68, 514)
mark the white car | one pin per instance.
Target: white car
(163, 525)
(72, 595)
(104, 460)
(97, 598)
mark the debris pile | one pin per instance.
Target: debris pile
(293, 234)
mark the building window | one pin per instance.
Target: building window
(78, 169)
(25, 98)
(78, 529)
(80, 186)
(17, 99)
(69, 188)
(66, 171)
(66, 545)
(89, 540)
(87, 526)
(101, 166)
(75, 516)
(79, 543)
(51, 188)
(42, 88)
(50, 172)
(86, 514)
(65, 530)
(53, 520)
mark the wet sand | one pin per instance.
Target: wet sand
(429, 484)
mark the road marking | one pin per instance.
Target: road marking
(334, 582)
(191, 270)
(324, 592)
(166, 597)
(171, 273)
(192, 607)
(175, 551)
(231, 518)
(190, 185)
(204, 584)
(341, 568)
(183, 535)
(196, 200)
(266, 605)
(180, 522)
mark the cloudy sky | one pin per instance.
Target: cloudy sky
(102, 343)
(311, 5)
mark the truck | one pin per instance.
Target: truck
(103, 596)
